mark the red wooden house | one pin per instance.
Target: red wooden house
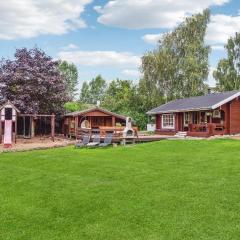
(203, 116)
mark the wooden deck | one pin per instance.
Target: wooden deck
(140, 138)
(152, 138)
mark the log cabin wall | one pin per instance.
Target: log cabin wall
(226, 109)
(231, 119)
(234, 116)
(165, 131)
(96, 119)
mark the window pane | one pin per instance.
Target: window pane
(168, 120)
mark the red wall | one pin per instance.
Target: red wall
(159, 129)
(232, 116)
(235, 116)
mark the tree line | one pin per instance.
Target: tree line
(178, 67)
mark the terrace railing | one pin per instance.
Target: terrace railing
(206, 129)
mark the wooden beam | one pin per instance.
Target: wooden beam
(35, 115)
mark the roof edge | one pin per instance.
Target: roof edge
(95, 108)
(180, 110)
(226, 100)
(212, 107)
(9, 102)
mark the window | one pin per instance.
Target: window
(167, 121)
(195, 117)
(8, 113)
(186, 118)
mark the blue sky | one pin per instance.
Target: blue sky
(108, 37)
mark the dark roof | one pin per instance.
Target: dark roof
(207, 102)
(83, 112)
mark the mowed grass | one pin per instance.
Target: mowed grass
(162, 190)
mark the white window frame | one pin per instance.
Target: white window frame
(184, 118)
(168, 126)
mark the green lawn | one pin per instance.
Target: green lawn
(163, 190)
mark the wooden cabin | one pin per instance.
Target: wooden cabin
(95, 118)
(203, 116)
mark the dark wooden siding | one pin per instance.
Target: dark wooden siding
(164, 131)
(235, 116)
(158, 121)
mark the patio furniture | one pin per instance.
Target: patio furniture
(107, 140)
(95, 142)
(84, 142)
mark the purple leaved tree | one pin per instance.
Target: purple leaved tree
(32, 82)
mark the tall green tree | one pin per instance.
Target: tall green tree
(94, 91)
(179, 66)
(227, 74)
(122, 97)
(118, 96)
(85, 93)
(70, 73)
(97, 87)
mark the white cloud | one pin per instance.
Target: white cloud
(30, 18)
(131, 72)
(211, 80)
(221, 28)
(101, 58)
(152, 38)
(70, 46)
(139, 14)
(217, 47)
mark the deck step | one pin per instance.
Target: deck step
(181, 134)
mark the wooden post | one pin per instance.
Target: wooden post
(76, 126)
(176, 122)
(90, 121)
(15, 130)
(33, 125)
(113, 121)
(53, 127)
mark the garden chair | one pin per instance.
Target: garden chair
(107, 140)
(95, 142)
(84, 142)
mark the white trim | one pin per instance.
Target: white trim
(10, 105)
(184, 118)
(226, 100)
(181, 110)
(168, 127)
